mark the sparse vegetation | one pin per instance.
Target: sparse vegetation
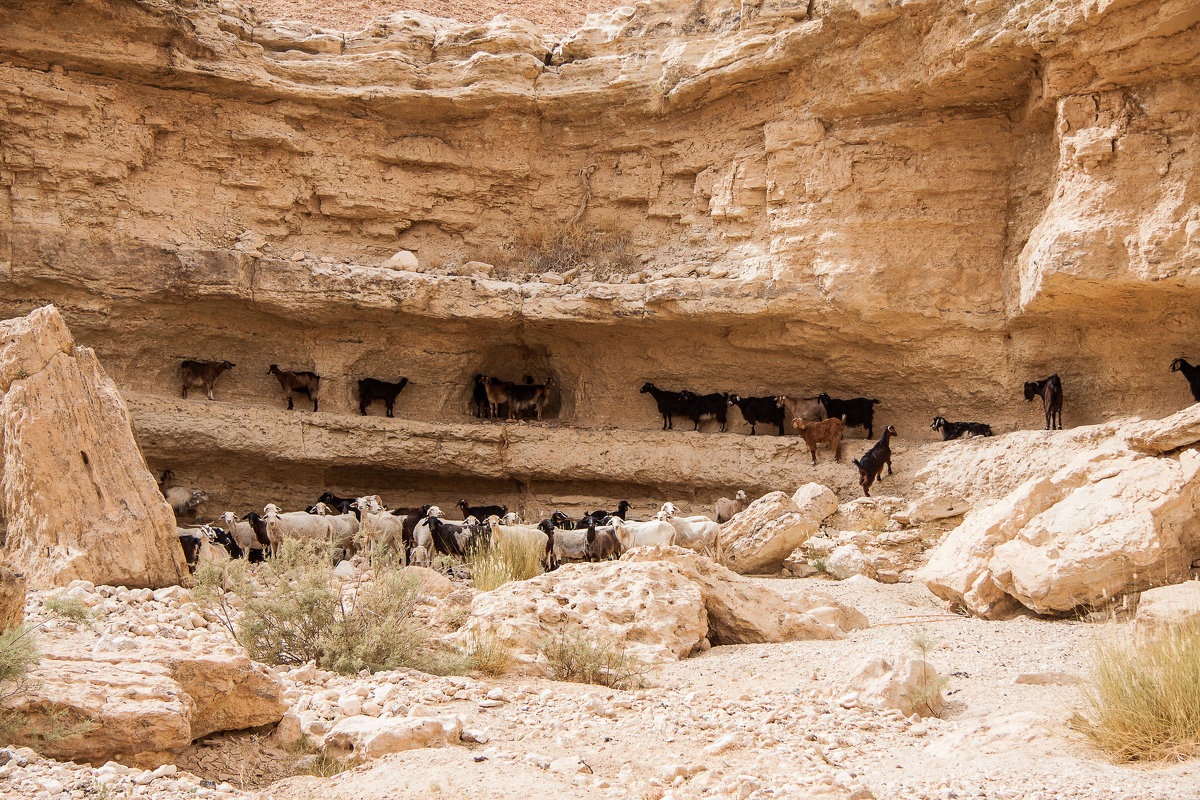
(927, 698)
(498, 563)
(544, 247)
(575, 657)
(70, 608)
(18, 653)
(1142, 699)
(293, 610)
(820, 565)
(323, 765)
(488, 654)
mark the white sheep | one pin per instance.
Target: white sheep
(644, 534)
(698, 533)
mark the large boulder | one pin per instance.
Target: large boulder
(12, 597)
(361, 737)
(229, 691)
(760, 538)
(93, 711)
(651, 610)
(742, 612)
(77, 496)
(1109, 522)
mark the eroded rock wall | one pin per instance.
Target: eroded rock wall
(927, 204)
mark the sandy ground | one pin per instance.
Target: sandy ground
(353, 15)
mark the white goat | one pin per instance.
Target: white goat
(302, 525)
(698, 533)
(241, 532)
(644, 534)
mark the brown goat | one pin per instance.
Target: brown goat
(308, 383)
(825, 432)
(601, 544)
(202, 375)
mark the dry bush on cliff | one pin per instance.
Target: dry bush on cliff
(1142, 702)
(544, 247)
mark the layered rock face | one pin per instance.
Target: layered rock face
(78, 499)
(925, 203)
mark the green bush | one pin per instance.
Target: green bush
(575, 657)
(1141, 701)
(70, 608)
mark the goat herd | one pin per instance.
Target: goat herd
(418, 534)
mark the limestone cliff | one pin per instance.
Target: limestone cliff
(926, 202)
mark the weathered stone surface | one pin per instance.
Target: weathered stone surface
(1168, 605)
(912, 687)
(360, 737)
(1108, 522)
(761, 537)
(652, 610)
(742, 612)
(1158, 436)
(12, 597)
(430, 582)
(77, 496)
(139, 714)
(228, 691)
(847, 560)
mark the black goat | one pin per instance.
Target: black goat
(479, 398)
(759, 409)
(223, 538)
(306, 383)
(342, 504)
(547, 527)
(957, 430)
(1051, 392)
(481, 512)
(858, 412)
(370, 390)
(202, 375)
(1191, 373)
(670, 404)
(259, 526)
(870, 466)
(600, 515)
(701, 407)
(560, 520)
(446, 537)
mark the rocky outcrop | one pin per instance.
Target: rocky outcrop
(741, 611)
(12, 597)
(1165, 606)
(761, 537)
(361, 738)
(1109, 521)
(650, 610)
(879, 192)
(94, 711)
(77, 497)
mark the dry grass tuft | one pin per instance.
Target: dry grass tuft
(489, 654)
(498, 563)
(576, 657)
(545, 247)
(1142, 701)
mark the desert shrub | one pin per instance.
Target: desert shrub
(71, 608)
(488, 654)
(292, 610)
(927, 698)
(543, 246)
(576, 657)
(18, 652)
(1141, 700)
(498, 563)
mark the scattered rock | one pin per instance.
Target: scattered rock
(361, 737)
(913, 687)
(1167, 605)
(430, 582)
(405, 260)
(847, 560)
(1048, 679)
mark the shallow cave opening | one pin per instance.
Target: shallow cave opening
(522, 365)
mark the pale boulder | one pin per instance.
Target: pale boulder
(77, 496)
(760, 538)
(12, 597)
(913, 687)
(1109, 522)
(361, 737)
(847, 560)
(651, 610)
(430, 582)
(138, 714)
(405, 260)
(1168, 605)
(228, 691)
(742, 612)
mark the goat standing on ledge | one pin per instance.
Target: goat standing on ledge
(870, 466)
(306, 383)
(1051, 392)
(202, 375)
(1191, 373)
